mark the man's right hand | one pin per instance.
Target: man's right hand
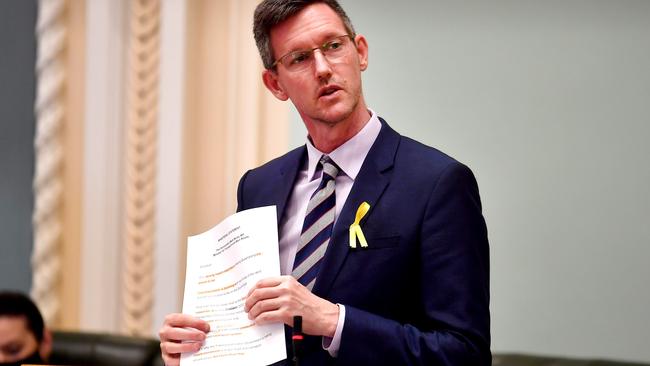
(181, 333)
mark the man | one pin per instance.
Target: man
(417, 291)
(23, 337)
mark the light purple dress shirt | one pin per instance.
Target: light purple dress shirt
(348, 157)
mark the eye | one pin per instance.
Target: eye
(333, 45)
(299, 57)
(13, 349)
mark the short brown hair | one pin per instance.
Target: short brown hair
(270, 13)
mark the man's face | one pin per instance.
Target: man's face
(327, 91)
(17, 342)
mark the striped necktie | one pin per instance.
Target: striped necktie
(317, 227)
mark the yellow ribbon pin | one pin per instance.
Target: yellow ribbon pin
(355, 228)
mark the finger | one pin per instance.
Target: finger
(275, 316)
(260, 294)
(272, 281)
(172, 348)
(178, 320)
(264, 306)
(266, 282)
(181, 334)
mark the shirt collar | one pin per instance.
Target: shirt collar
(350, 156)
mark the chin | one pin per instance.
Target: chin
(335, 118)
(336, 113)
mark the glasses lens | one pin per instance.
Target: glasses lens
(297, 60)
(333, 50)
(334, 46)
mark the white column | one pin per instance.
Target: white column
(102, 187)
(170, 150)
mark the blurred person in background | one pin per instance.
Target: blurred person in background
(24, 339)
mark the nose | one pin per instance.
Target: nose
(322, 67)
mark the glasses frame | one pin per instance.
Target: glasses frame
(322, 48)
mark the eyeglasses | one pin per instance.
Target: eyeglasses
(333, 50)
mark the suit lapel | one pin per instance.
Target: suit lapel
(288, 172)
(370, 183)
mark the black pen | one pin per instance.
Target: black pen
(296, 338)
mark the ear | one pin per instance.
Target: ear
(362, 51)
(45, 348)
(270, 79)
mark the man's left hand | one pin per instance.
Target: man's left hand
(279, 299)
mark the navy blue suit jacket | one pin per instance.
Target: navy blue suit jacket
(419, 294)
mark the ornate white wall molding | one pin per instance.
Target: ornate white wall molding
(140, 173)
(136, 166)
(120, 121)
(48, 177)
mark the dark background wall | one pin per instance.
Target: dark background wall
(17, 121)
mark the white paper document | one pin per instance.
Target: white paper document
(223, 264)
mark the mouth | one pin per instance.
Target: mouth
(328, 90)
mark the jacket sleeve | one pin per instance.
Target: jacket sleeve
(454, 283)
